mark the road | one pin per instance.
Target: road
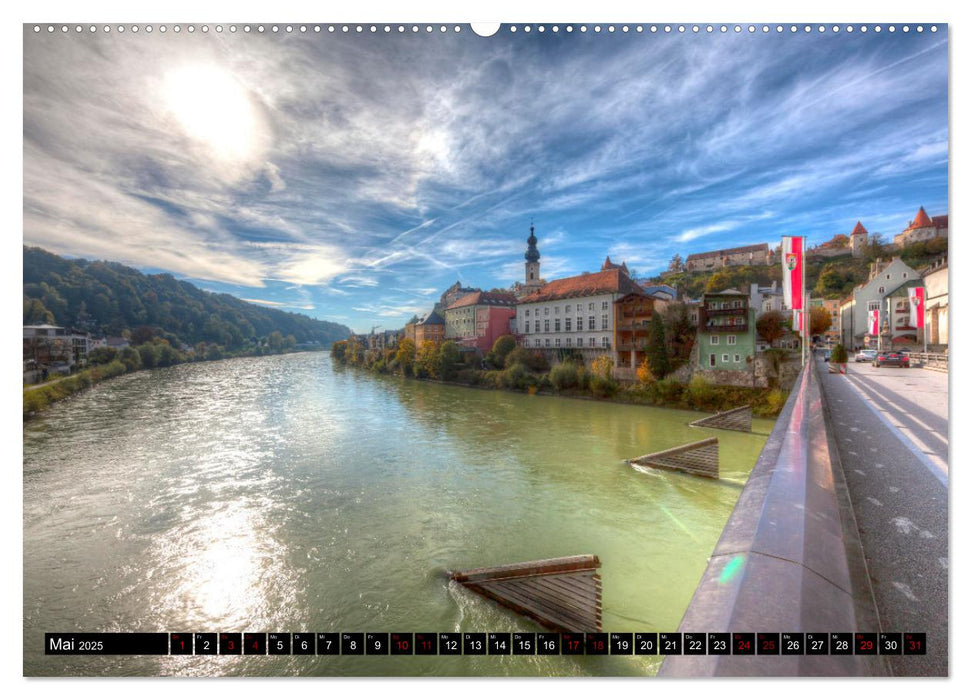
(891, 428)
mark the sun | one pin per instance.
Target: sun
(214, 109)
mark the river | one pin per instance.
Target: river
(284, 494)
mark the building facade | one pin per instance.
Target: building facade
(885, 277)
(935, 303)
(632, 320)
(431, 328)
(922, 228)
(575, 313)
(53, 349)
(745, 255)
(726, 331)
(858, 240)
(477, 319)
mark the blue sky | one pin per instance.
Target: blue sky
(354, 177)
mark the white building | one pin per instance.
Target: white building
(885, 278)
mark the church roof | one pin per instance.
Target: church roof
(613, 281)
(858, 230)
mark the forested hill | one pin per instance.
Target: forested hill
(108, 298)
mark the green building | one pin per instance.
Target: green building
(726, 331)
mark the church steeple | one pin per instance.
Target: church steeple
(532, 280)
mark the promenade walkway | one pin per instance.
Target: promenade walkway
(891, 431)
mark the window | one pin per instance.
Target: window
(888, 276)
(738, 358)
(546, 311)
(546, 325)
(591, 322)
(537, 325)
(556, 325)
(569, 322)
(603, 322)
(590, 306)
(547, 342)
(527, 313)
(536, 342)
(714, 340)
(591, 342)
(731, 339)
(724, 357)
(603, 306)
(738, 304)
(579, 323)
(873, 306)
(711, 360)
(603, 341)
(556, 310)
(557, 343)
(905, 275)
(566, 309)
(881, 290)
(569, 342)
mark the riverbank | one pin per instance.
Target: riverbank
(527, 372)
(39, 397)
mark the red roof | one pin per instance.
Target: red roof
(483, 298)
(612, 281)
(940, 221)
(858, 230)
(921, 220)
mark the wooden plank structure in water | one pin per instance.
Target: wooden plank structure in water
(699, 458)
(562, 594)
(734, 419)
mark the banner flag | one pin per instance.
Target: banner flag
(792, 262)
(917, 307)
(875, 322)
(797, 321)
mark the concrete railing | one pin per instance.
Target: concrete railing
(928, 360)
(789, 558)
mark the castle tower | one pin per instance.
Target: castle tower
(532, 279)
(858, 240)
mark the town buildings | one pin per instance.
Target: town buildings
(575, 313)
(764, 299)
(885, 278)
(479, 318)
(50, 348)
(832, 334)
(935, 302)
(726, 331)
(922, 228)
(632, 319)
(431, 328)
(745, 255)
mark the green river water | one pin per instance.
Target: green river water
(284, 494)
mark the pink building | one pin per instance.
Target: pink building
(490, 323)
(477, 319)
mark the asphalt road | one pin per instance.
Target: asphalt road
(891, 428)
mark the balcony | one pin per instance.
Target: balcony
(733, 328)
(743, 311)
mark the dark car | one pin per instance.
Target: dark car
(893, 358)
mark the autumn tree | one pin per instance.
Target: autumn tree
(405, 357)
(819, 320)
(770, 325)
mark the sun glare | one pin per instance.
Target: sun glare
(214, 109)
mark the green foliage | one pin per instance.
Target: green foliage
(131, 358)
(700, 392)
(504, 345)
(37, 399)
(680, 334)
(449, 360)
(102, 356)
(405, 356)
(109, 298)
(657, 348)
(838, 355)
(338, 350)
(566, 375)
(603, 387)
(533, 360)
(775, 401)
(517, 376)
(602, 366)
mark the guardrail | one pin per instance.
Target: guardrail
(789, 558)
(929, 360)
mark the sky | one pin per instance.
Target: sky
(354, 176)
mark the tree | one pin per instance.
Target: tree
(718, 281)
(874, 247)
(680, 333)
(504, 345)
(644, 373)
(102, 356)
(819, 320)
(131, 358)
(405, 357)
(770, 326)
(657, 349)
(426, 359)
(275, 341)
(35, 313)
(449, 360)
(676, 264)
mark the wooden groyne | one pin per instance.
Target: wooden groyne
(734, 419)
(562, 594)
(699, 458)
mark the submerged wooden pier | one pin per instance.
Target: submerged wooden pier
(562, 594)
(734, 419)
(699, 458)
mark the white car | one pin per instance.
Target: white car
(866, 355)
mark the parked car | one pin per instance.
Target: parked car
(865, 355)
(891, 359)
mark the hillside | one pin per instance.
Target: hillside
(827, 278)
(109, 298)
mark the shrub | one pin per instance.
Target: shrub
(775, 401)
(603, 387)
(838, 354)
(603, 366)
(517, 377)
(504, 345)
(565, 375)
(533, 360)
(644, 373)
(668, 391)
(700, 392)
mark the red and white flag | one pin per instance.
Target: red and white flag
(792, 261)
(797, 321)
(917, 307)
(874, 322)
